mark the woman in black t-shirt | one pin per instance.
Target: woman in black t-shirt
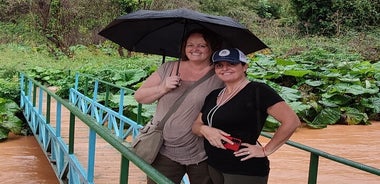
(231, 121)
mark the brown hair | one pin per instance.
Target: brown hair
(212, 39)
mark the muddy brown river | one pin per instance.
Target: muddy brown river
(358, 143)
(22, 161)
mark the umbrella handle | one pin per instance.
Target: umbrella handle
(163, 59)
(177, 72)
(182, 44)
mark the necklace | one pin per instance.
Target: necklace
(220, 102)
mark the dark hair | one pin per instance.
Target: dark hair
(210, 37)
(245, 71)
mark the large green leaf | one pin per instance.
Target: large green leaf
(147, 113)
(3, 133)
(11, 122)
(299, 107)
(330, 73)
(128, 100)
(353, 89)
(377, 76)
(354, 116)
(314, 83)
(357, 90)
(328, 103)
(11, 106)
(129, 77)
(284, 62)
(297, 73)
(363, 68)
(337, 99)
(271, 124)
(289, 94)
(326, 117)
(372, 103)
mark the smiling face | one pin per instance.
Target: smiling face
(197, 49)
(229, 72)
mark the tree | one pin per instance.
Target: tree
(65, 23)
(328, 17)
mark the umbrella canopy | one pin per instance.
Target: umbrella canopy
(162, 32)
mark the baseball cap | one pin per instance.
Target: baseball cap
(231, 55)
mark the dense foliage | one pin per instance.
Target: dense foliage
(324, 91)
(326, 79)
(61, 24)
(335, 17)
(10, 113)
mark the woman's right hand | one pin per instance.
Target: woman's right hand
(171, 83)
(215, 137)
(154, 88)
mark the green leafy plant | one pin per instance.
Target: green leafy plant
(9, 122)
(10, 88)
(323, 88)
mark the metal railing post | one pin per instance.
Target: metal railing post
(313, 168)
(124, 170)
(71, 133)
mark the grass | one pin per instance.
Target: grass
(22, 58)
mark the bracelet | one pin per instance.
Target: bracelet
(264, 151)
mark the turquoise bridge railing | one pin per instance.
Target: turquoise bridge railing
(116, 121)
(113, 127)
(60, 150)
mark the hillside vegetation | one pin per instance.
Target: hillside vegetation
(326, 67)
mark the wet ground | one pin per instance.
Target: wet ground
(22, 161)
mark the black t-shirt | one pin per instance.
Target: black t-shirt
(239, 117)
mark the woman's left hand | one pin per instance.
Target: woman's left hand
(249, 151)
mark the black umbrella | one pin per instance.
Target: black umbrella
(162, 32)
